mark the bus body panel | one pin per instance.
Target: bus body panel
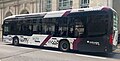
(94, 44)
(115, 39)
(90, 44)
(39, 40)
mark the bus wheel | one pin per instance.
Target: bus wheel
(64, 45)
(15, 41)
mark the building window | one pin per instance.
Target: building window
(84, 3)
(65, 4)
(48, 5)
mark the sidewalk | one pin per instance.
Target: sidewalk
(0, 39)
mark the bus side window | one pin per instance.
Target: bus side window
(34, 26)
(79, 27)
(48, 26)
(62, 26)
(70, 32)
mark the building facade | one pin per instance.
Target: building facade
(14, 7)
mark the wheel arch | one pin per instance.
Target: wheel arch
(15, 37)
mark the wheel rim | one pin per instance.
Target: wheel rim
(15, 42)
(64, 46)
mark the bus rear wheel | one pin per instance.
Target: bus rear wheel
(15, 41)
(64, 45)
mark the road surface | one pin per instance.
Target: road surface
(9, 52)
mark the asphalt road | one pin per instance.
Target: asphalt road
(9, 52)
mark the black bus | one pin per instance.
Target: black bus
(87, 29)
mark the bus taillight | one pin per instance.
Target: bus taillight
(111, 39)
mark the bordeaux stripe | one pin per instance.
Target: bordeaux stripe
(75, 43)
(66, 13)
(46, 40)
(44, 15)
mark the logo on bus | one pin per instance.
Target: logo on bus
(93, 43)
(54, 42)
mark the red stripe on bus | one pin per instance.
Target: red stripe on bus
(66, 13)
(46, 40)
(75, 43)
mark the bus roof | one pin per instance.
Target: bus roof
(59, 13)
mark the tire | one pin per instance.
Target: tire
(15, 41)
(64, 45)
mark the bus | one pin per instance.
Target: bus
(85, 29)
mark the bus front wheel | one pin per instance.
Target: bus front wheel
(15, 41)
(64, 45)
